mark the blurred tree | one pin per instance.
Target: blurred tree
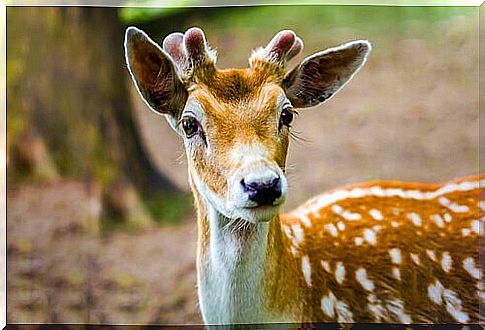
(69, 109)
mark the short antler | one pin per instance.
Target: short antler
(283, 47)
(190, 50)
(377, 252)
(173, 45)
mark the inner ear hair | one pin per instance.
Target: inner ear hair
(323, 74)
(154, 73)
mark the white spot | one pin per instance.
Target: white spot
(358, 241)
(331, 229)
(415, 218)
(431, 254)
(347, 215)
(326, 266)
(446, 262)
(481, 204)
(307, 270)
(377, 228)
(315, 204)
(394, 224)
(438, 220)
(287, 231)
(361, 277)
(341, 226)
(305, 220)
(415, 258)
(298, 234)
(339, 272)
(447, 217)
(395, 256)
(328, 304)
(476, 226)
(370, 236)
(303, 217)
(343, 312)
(376, 308)
(465, 232)
(481, 294)
(469, 266)
(435, 292)
(295, 238)
(396, 308)
(453, 306)
(337, 209)
(453, 206)
(396, 273)
(376, 214)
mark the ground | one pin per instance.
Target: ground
(58, 272)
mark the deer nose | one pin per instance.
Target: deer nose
(263, 192)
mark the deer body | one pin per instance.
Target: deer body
(375, 252)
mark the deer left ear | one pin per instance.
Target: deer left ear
(155, 74)
(321, 75)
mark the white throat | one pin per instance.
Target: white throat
(230, 274)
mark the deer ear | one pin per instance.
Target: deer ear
(154, 73)
(321, 75)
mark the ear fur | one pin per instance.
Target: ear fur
(322, 74)
(155, 74)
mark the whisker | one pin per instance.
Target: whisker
(296, 136)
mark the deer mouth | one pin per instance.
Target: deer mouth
(260, 213)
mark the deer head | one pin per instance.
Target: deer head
(235, 123)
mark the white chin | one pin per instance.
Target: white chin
(258, 214)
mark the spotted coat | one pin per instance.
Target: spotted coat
(390, 252)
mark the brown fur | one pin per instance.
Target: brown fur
(288, 287)
(361, 232)
(246, 119)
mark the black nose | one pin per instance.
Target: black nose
(263, 193)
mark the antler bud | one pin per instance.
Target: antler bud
(173, 45)
(295, 49)
(283, 47)
(190, 50)
(195, 44)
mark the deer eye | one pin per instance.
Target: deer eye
(286, 116)
(190, 126)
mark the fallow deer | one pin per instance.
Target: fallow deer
(374, 252)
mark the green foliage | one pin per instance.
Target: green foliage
(169, 208)
(306, 18)
(146, 13)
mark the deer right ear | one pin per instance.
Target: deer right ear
(323, 74)
(154, 73)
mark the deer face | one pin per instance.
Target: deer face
(236, 123)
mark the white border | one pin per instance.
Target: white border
(136, 3)
(219, 3)
(3, 165)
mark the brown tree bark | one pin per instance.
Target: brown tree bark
(67, 87)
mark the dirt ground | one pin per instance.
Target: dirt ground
(59, 273)
(410, 114)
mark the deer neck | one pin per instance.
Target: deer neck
(239, 267)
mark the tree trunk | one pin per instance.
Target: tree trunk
(67, 87)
